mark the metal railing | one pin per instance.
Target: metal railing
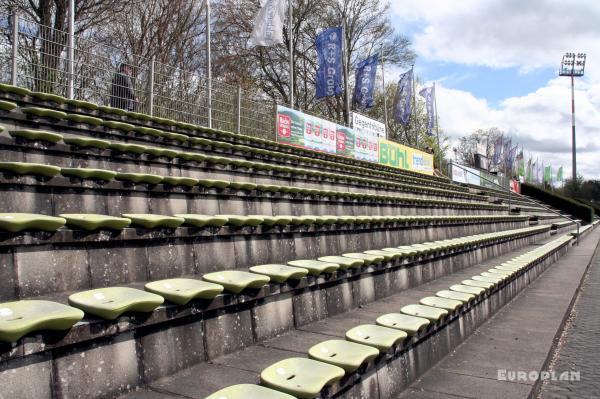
(519, 195)
(37, 57)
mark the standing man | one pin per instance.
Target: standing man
(121, 90)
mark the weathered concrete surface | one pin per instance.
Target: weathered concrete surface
(518, 338)
(245, 365)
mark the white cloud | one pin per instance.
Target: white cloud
(527, 35)
(504, 33)
(540, 121)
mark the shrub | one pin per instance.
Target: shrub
(567, 205)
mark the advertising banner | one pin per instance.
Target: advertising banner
(464, 174)
(367, 134)
(301, 130)
(403, 157)
(345, 141)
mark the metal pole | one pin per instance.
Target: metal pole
(437, 128)
(385, 112)
(15, 47)
(574, 158)
(71, 52)
(151, 88)
(208, 65)
(346, 73)
(239, 109)
(290, 27)
(414, 107)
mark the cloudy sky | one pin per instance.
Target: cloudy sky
(495, 64)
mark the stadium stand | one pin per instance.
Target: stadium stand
(145, 257)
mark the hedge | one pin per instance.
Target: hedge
(567, 205)
(595, 207)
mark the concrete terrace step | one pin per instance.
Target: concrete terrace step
(245, 365)
(518, 339)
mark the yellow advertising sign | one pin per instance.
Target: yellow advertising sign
(403, 157)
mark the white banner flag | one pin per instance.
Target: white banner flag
(268, 24)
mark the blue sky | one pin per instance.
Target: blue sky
(495, 64)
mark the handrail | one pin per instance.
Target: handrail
(510, 193)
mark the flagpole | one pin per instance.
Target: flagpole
(437, 128)
(414, 107)
(346, 71)
(385, 112)
(290, 26)
(208, 66)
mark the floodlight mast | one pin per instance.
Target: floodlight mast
(573, 65)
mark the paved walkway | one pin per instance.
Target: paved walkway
(579, 347)
(519, 339)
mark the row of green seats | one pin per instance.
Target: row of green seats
(90, 142)
(18, 222)
(329, 361)
(37, 169)
(22, 317)
(413, 177)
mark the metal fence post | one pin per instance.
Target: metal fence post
(15, 48)
(239, 109)
(208, 64)
(151, 88)
(71, 52)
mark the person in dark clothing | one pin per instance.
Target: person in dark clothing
(121, 91)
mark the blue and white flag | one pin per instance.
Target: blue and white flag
(497, 151)
(428, 94)
(403, 106)
(365, 82)
(329, 73)
(268, 24)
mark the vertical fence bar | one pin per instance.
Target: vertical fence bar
(239, 109)
(208, 65)
(151, 88)
(71, 52)
(15, 48)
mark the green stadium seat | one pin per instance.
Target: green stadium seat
(270, 188)
(139, 178)
(17, 222)
(387, 255)
(26, 168)
(502, 273)
(236, 281)
(87, 173)
(344, 262)
(345, 354)
(82, 104)
(326, 219)
(44, 113)
(21, 91)
(300, 377)
(315, 267)
(175, 136)
(151, 221)
(248, 391)
(426, 312)
(443, 303)
(161, 152)
(239, 221)
(7, 105)
(111, 302)
(179, 181)
(111, 110)
(147, 131)
(126, 147)
(89, 120)
(491, 277)
(303, 220)
(94, 222)
(409, 324)
(183, 290)
(23, 317)
(368, 259)
(87, 142)
(382, 338)
(115, 125)
(474, 283)
(212, 183)
(279, 273)
(467, 289)
(48, 97)
(274, 220)
(202, 220)
(39, 135)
